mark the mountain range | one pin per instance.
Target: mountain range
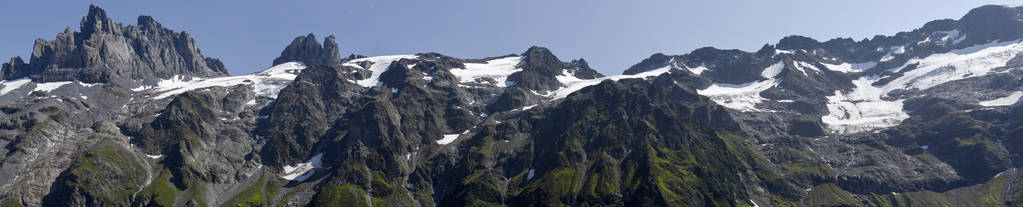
(136, 115)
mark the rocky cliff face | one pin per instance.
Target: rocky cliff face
(540, 68)
(105, 51)
(308, 50)
(886, 121)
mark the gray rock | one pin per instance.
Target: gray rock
(105, 51)
(307, 50)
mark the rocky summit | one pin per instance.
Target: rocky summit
(104, 51)
(135, 115)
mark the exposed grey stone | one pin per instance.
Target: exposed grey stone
(105, 51)
(307, 50)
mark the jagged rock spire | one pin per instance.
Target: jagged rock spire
(307, 50)
(105, 51)
(97, 21)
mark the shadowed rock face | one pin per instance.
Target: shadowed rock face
(307, 50)
(104, 51)
(303, 111)
(992, 22)
(540, 68)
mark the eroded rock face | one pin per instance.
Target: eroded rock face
(540, 69)
(308, 50)
(104, 51)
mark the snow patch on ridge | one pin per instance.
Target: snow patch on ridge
(772, 70)
(266, 83)
(744, 97)
(573, 83)
(804, 66)
(302, 171)
(10, 85)
(697, 70)
(953, 35)
(862, 109)
(851, 67)
(497, 69)
(50, 86)
(379, 65)
(897, 50)
(1004, 101)
(957, 64)
(448, 138)
(946, 36)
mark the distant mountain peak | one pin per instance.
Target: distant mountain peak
(796, 42)
(97, 20)
(540, 69)
(309, 51)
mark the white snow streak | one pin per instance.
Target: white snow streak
(862, 109)
(266, 83)
(804, 66)
(1004, 101)
(772, 70)
(573, 83)
(744, 97)
(698, 70)
(851, 67)
(10, 85)
(497, 69)
(448, 138)
(301, 171)
(958, 64)
(379, 65)
(50, 86)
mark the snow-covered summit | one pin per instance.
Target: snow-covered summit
(266, 83)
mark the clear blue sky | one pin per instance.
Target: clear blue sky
(610, 35)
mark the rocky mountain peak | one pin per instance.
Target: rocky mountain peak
(581, 69)
(540, 68)
(97, 21)
(105, 51)
(796, 42)
(309, 51)
(939, 25)
(655, 61)
(13, 69)
(992, 22)
(766, 50)
(539, 56)
(147, 22)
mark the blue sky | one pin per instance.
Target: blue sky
(610, 35)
